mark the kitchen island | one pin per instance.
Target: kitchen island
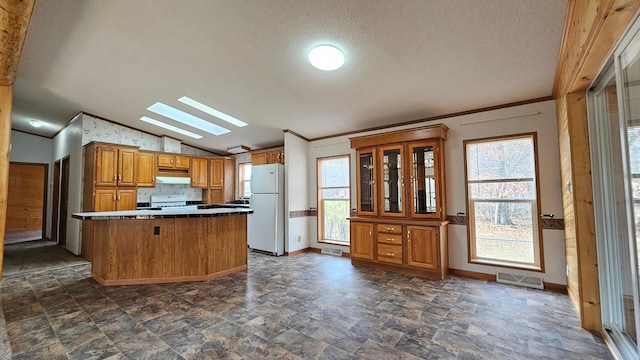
(159, 246)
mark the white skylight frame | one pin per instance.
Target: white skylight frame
(211, 111)
(187, 119)
(170, 127)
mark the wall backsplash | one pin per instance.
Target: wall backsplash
(193, 194)
(95, 129)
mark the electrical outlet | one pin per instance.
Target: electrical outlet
(299, 238)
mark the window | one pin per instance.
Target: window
(333, 199)
(502, 201)
(244, 180)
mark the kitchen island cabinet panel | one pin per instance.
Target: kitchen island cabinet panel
(190, 247)
(227, 237)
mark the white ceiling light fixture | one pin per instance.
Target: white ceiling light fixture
(211, 111)
(187, 119)
(35, 123)
(170, 127)
(326, 57)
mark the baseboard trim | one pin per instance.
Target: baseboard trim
(297, 252)
(492, 277)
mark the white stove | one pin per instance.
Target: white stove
(171, 202)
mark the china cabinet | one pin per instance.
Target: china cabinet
(400, 223)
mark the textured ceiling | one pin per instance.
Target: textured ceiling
(405, 60)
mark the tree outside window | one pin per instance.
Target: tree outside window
(333, 199)
(503, 202)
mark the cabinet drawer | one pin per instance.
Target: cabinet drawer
(389, 229)
(390, 238)
(390, 253)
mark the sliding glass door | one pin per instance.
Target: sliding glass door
(614, 130)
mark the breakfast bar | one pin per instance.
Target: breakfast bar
(150, 246)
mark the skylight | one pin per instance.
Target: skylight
(170, 127)
(211, 111)
(187, 119)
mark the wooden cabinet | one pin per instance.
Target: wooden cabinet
(362, 240)
(146, 169)
(272, 156)
(174, 161)
(221, 187)
(115, 166)
(400, 194)
(199, 172)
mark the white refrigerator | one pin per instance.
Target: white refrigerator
(266, 224)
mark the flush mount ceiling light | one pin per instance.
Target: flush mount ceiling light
(187, 119)
(211, 111)
(326, 57)
(35, 123)
(170, 127)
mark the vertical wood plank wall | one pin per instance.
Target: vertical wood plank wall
(592, 28)
(26, 198)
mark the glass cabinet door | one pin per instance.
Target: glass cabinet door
(366, 160)
(392, 180)
(425, 194)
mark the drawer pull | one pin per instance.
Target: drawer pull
(390, 239)
(389, 229)
(391, 254)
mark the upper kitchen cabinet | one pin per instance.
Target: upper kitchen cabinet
(221, 181)
(114, 165)
(174, 161)
(272, 156)
(199, 172)
(146, 169)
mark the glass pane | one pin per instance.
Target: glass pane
(336, 225)
(246, 188)
(424, 182)
(366, 181)
(629, 249)
(392, 177)
(504, 231)
(246, 172)
(338, 193)
(503, 190)
(335, 172)
(504, 159)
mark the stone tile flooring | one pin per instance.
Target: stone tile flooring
(309, 306)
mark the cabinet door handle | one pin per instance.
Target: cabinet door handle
(391, 254)
(114, 197)
(120, 177)
(178, 162)
(115, 177)
(370, 232)
(408, 235)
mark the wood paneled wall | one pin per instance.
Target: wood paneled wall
(592, 28)
(26, 197)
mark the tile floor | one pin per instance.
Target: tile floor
(38, 255)
(309, 306)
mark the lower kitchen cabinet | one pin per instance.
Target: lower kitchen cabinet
(414, 247)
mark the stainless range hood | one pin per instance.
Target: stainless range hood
(185, 180)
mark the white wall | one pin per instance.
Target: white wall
(296, 171)
(26, 148)
(548, 157)
(69, 143)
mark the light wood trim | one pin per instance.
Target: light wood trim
(6, 96)
(15, 16)
(297, 252)
(399, 136)
(592, 28)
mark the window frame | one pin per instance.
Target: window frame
(241, 181)
(538, 264)
(320, 209)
